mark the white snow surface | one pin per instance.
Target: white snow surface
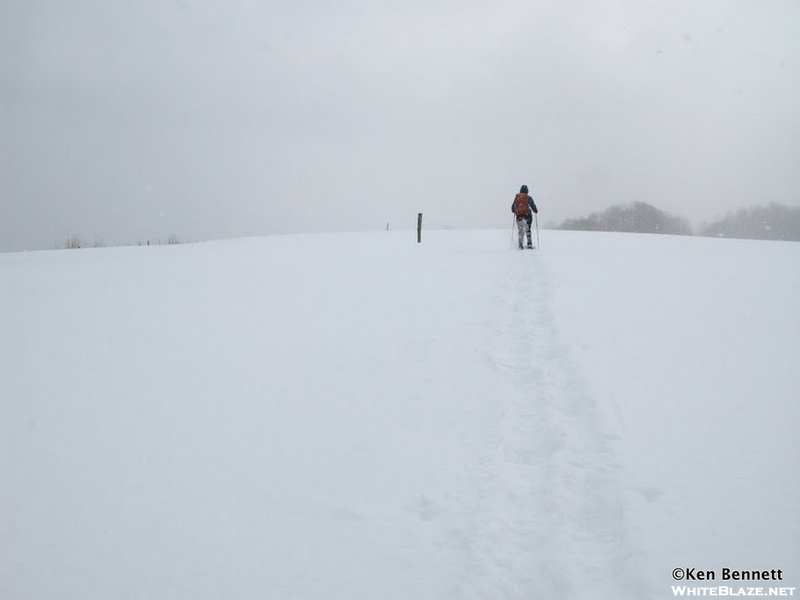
(348, 416)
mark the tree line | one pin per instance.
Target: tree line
(771, 222)
(75, 242)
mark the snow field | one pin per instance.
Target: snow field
(361, 416)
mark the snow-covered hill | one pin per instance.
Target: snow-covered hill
(360, 416)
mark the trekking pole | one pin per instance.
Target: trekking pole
(513, 222)
(537, 230)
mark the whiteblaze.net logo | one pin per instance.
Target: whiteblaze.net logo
(695, 574)
(722, 590)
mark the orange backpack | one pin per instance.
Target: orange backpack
(521, 206)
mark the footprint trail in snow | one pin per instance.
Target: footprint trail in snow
(551, 522)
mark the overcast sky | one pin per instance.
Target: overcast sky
(126, 120)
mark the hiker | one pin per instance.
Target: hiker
(523, 207)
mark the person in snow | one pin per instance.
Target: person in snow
(524, 207)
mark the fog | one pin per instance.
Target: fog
(124, 121)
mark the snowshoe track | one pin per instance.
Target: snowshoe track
(552, 520)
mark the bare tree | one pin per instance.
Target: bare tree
(74, 242)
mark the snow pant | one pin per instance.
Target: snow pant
(524, 228)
